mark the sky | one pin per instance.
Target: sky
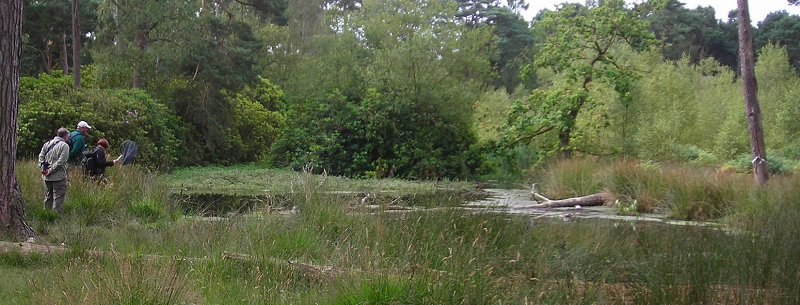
(759, 9)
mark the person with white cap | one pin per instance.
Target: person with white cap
(78, 142)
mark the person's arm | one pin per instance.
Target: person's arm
(101, 159)
(42, 153)
(77, 147)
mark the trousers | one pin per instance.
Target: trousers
(56, 193)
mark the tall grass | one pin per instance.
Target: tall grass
(116, 279)
(679, 190)
(445, 256)
(129, 194)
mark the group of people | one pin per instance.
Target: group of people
(69, 147)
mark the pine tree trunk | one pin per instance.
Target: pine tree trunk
(12, 209)
(64, 60)
(142, 43)
(752, 109)
(76, 45)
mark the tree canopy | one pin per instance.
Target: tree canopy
(583, 45)
(406, 88)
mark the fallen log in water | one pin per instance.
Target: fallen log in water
(589, 200)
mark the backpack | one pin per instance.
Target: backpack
(89, 164)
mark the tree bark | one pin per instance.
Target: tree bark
(45, 60)
(64, 60)
(76, 45)
(564, 136)
(142, 42)
(12, 209)
(752, 108)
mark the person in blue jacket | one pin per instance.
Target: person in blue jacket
(78, 143)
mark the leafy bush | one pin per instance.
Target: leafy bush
(44, 107)
(256, 121)
(695, 154)
(376, 136)
(370, 104)
(744, 164)
(49, 102)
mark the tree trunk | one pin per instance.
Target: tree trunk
(45, 60)
(76, 45)
(752, 109)
(64, 60)
(12, 209)
(564, 152)
(142, 42)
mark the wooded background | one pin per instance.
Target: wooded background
(406, 88)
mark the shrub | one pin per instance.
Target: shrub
(376, 136)
(256, 121)
(696, 155)
(48, 102)
(744, 164)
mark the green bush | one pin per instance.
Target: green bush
(744, 164)
(44, 107)
(49, 102)
(256, 121)
(376, 136)
(695, 154)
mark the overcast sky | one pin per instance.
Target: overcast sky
(758, 8)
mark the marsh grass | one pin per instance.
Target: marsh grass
(446, 256)
(254, 180)
(129, 193)
(681, 191)
(116, 279)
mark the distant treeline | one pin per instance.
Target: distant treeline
(379, 88)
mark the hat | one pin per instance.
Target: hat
(84, 124)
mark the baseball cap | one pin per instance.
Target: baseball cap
(84, 124)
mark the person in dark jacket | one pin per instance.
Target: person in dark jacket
(96, 166)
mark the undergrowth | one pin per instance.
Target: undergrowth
(327, 252)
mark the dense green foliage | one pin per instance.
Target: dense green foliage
(47, 34)
(583, 46)
(375, 137)
(401, 103)
(49, 102)
(695, 112)
(695, 33)
(783, 29)
(257, 121)
(412, 88)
